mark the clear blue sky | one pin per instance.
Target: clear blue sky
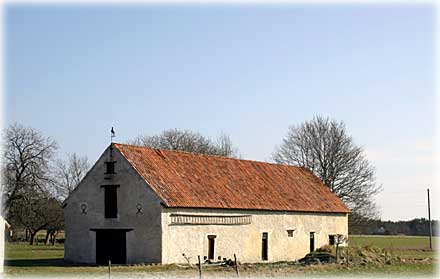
(249, 71)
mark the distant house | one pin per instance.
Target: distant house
(139, 205)
(381, 230)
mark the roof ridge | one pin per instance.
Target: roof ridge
(210, 155)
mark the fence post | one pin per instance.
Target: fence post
(200, 267)
(337, 252)
(109, 269)
(236, 266)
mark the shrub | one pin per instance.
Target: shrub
(326, 248)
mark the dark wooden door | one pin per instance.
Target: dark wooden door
(312, 241)
(111, 245)
(264, 246)
(211, 248)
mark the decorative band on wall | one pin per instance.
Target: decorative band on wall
(185, 219)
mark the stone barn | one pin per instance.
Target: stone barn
(144, 205)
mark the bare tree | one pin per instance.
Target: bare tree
(26, 165)
(323, 146)
(225, 147)
(68, 174)
(185, 140)
(34, 212)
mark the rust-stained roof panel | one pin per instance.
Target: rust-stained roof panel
(183, 179)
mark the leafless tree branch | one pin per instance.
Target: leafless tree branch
(185, 140)
(323, 146)
(26, 166)
(68, 174)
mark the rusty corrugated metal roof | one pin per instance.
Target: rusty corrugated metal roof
(183, 179)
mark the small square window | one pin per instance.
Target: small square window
(331, 239)
(290, 233)
(110, 167)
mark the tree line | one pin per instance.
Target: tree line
(417, 226)
(35, 181)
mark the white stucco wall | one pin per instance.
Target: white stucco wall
(143, 241)
(245, 240)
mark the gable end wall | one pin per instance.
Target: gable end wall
(143, 241)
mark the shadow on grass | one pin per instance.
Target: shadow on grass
(40, 262)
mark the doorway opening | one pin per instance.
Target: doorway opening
(312, 241)
(211, 245)
(264, 246)
(111, 246)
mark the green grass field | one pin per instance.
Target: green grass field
(41, 260)
(398, 242)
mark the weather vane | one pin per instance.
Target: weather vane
(112, 131)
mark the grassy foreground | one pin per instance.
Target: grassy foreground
(394, 241)
(414, 260)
